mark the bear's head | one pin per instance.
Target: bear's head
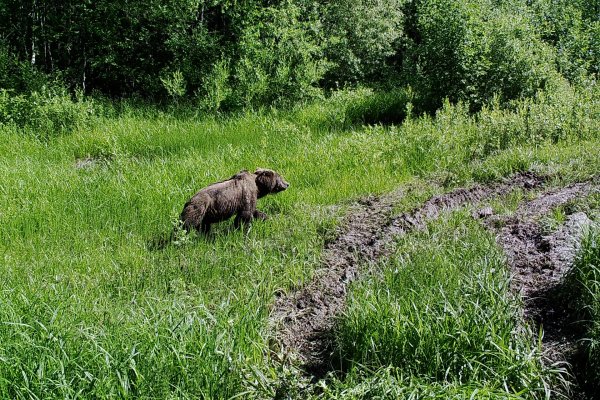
(269, 181)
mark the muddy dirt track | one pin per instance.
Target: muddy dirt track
(304, 319)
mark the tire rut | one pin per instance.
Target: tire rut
(539, 261)
(304, 319)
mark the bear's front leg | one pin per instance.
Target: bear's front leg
(260, 215)
(243, 217)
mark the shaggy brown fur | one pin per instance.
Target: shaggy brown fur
(237, 195)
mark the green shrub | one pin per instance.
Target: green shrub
(579, 50)
(573, 29)
(35, 102)
(216, 89)
(18, 76)
(44, 114)
(175, 85)
(280, 58)
(474, 50)
(560, 113)
(362, 38)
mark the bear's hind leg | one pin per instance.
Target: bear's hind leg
(204, 228)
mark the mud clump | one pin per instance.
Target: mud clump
(90, 162)
(304, 320)
(87, 162)
(538, 259)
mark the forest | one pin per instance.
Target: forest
(440, 237)
(228, 55)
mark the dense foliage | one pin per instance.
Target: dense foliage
(226, 54)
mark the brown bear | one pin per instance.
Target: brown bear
(237, 195)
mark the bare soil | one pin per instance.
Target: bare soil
(86, 162)
(304, 319)
(92, 161)
(538, 259)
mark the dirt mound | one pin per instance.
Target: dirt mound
(304, 319)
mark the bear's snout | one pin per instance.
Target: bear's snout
(282, 185)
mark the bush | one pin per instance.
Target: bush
(579, 51)
(389, 107)
(363, 38)
(18, 76)
(44, 114)
(573, 29)
(216, 88)
(473, 50)
(34, 103)
(280, 58)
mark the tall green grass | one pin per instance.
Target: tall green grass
(443, 318)
(583, 283)
(90, 309)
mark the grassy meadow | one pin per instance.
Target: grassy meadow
(89, 308)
